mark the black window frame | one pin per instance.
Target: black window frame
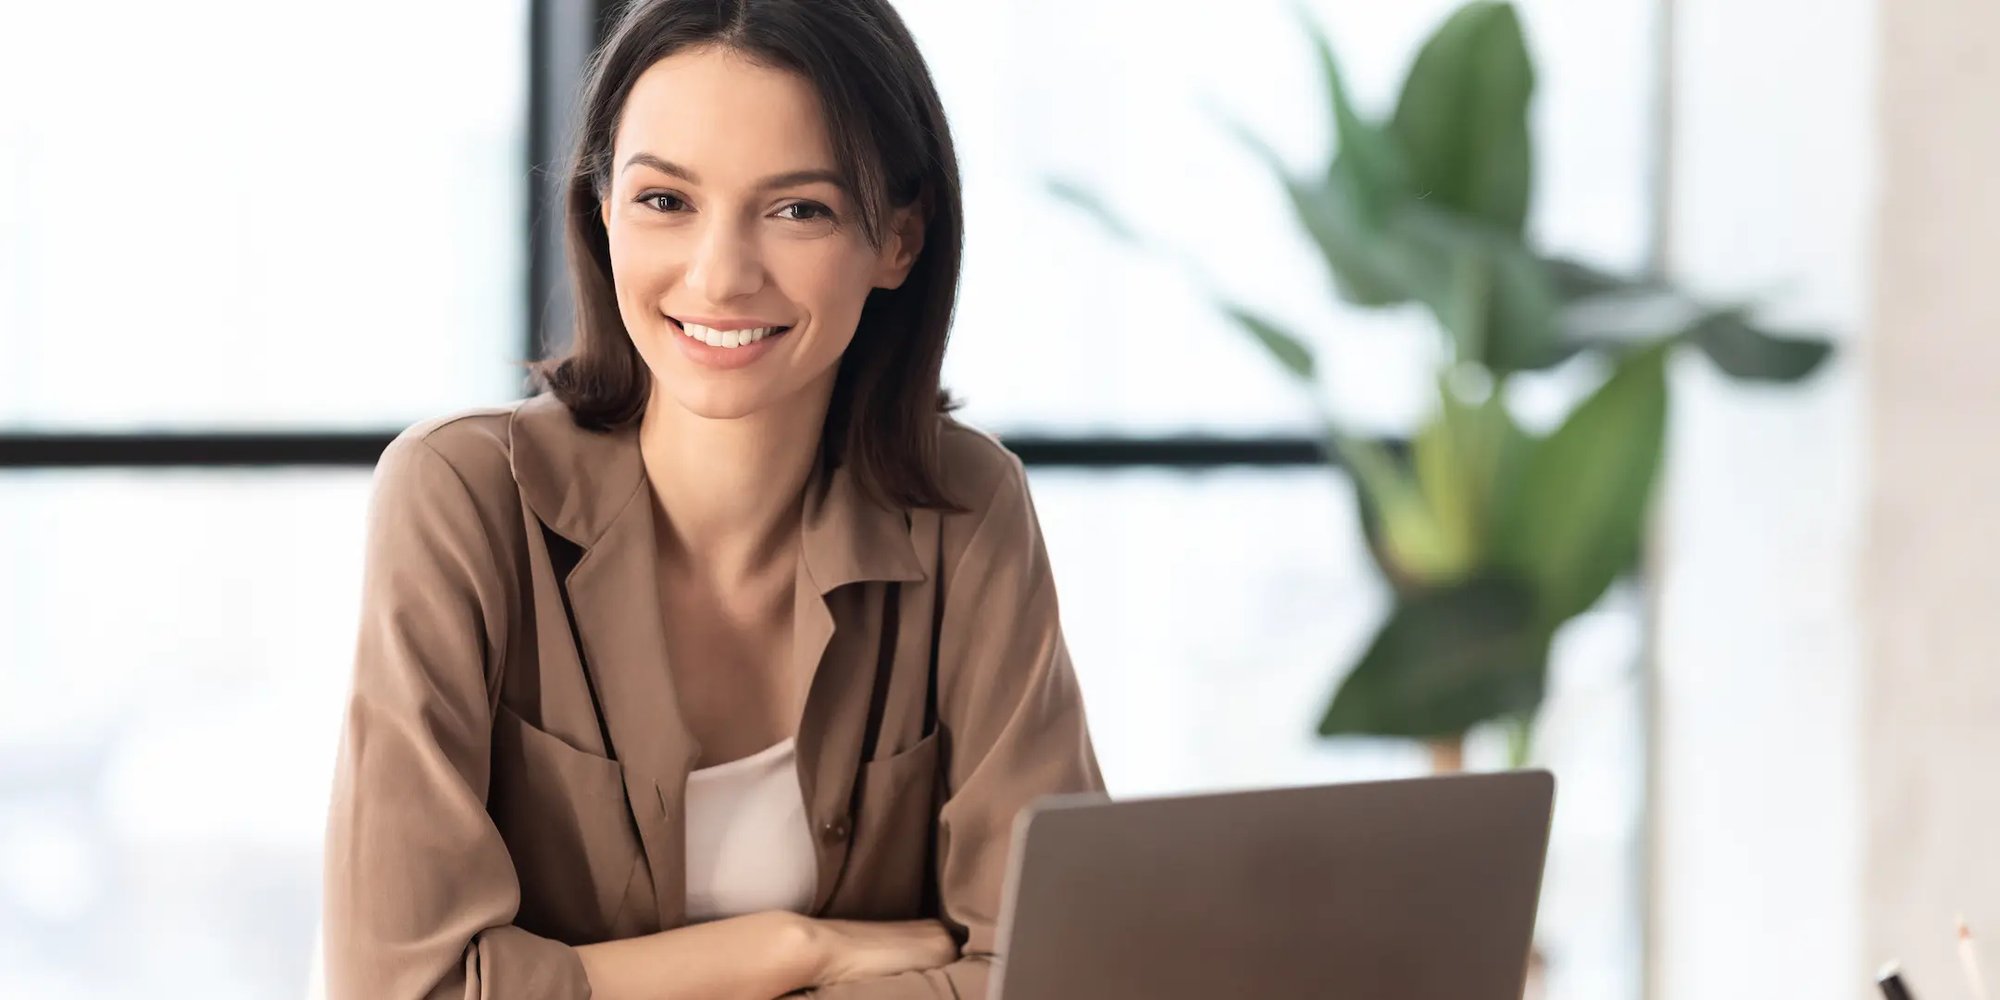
(560, 37)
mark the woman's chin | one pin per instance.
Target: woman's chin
(710, 401)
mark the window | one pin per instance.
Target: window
(1210, 607)
(175, 646)
(230, 214)
(218, 218)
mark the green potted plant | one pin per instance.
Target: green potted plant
(1489, 536)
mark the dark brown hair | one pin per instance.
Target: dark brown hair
(891, 143)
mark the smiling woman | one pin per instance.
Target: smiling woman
(683, 244)
(723, 667)
(767, 165)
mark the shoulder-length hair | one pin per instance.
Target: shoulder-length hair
(890, 141)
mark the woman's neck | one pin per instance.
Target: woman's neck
(728, 492)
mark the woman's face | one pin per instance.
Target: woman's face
(724, 212)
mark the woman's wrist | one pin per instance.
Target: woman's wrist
(771, 953)
(801, 949)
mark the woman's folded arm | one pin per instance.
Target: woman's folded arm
(420, 891)
(1015, 722)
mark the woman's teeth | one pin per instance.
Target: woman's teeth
(729, 338)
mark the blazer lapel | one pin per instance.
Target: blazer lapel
(590, 487)
(845, 539)
(614, 593)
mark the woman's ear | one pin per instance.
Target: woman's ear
(905, 243)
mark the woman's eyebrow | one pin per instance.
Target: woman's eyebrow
(787, 179)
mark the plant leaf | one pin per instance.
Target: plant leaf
(1462, 120)
(1342, 450)
(1404, 534)
(1367, 166)
(1446, 477)
(1075, 194)
(1445, 661)
(1464, 457)
(1576, 280)
(1575, 522)
(1367, 268)
(1347, 209)
(1353, 250)
(1494, 297)
(1467, 458)
(1524, 333)
(1520, 740)
(1287, 349)
(1747, 352)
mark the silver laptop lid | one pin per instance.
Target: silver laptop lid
(1417, 889)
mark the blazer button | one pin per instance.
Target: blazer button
(833, 830)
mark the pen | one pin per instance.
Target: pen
(1890, 979)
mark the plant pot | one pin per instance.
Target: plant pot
(1447, 755)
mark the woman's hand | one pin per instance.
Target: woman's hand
(863, 949)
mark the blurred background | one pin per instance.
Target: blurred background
(1746, 244)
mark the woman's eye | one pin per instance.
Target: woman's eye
(662, 201)
(809, 207)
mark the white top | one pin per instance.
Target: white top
(749, 845)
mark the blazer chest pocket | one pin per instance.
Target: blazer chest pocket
(567, 824)
(884, 877)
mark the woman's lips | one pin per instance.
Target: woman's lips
(723, 358)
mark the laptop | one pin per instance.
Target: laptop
(1415, 889)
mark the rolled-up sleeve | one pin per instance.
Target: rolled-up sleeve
(419, 889)
(1014, 715)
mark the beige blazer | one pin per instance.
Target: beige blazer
(513, 763)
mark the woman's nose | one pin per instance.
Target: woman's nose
(726, 265)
